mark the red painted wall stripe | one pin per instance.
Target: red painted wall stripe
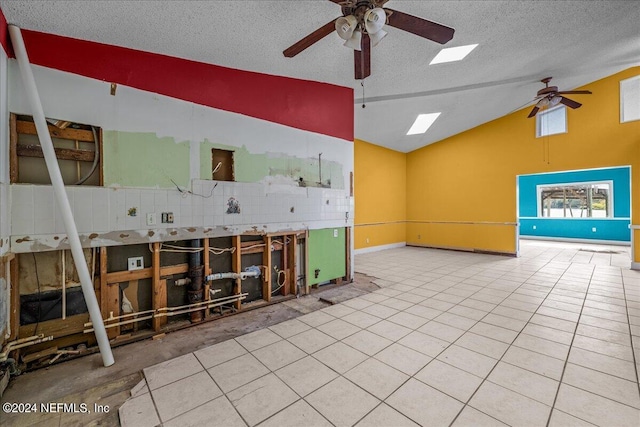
(312, 106)
(4, 35)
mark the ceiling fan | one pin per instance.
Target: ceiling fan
(361, 26)
(549, 96)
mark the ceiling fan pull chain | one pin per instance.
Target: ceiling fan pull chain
(362, 84)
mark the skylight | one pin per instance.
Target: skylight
(422, 123)
(452, 54)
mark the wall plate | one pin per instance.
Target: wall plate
(135, 263)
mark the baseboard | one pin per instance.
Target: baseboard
(635, 265)
(460, 249)
(380, 248)
(572, 240)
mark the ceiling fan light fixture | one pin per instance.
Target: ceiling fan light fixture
(376, 37)
(452, 54)
(345, 26)
(555, 101)
(374, 20)
(544, 102)
(355, 41)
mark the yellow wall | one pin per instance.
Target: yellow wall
(380, 195)
(462, 190)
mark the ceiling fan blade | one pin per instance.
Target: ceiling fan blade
(533, 112)
(312, 38)
(570, 103)
(362, 58)
(581, 92)
(420, 27)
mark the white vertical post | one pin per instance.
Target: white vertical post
(60, 194)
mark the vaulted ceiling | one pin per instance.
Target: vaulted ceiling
(520, 42)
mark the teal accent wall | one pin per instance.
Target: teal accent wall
(327, 253)
(615, 228)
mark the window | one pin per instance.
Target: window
(552, 121)
(576, 200)
(630, 99)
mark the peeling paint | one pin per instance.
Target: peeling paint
(24, 239)
(93, 235)
(124, 236)
(151, 233)
(191, 229)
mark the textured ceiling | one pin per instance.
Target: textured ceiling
(520, 42)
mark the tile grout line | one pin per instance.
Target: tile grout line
(633, 351)
(485, 379)
(564, 367)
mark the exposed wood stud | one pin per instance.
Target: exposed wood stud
(158, 286)
(29, 128)
(207, 271)
(266, 261)
(347, 233)
(14, 303)
(109, 295)
(236, 265)
(13, 152)
(78, 155)
(293, 264)
(285, 267)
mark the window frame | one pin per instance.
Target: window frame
(622, 103)
(610, 200)
(541, 114)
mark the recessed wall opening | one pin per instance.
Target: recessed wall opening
(590, 205)
(222, 165)
(77, 147)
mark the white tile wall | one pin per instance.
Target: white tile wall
(96, 209)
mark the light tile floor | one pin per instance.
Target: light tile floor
(451, 339)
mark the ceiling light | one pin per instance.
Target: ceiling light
(345, 25)
(355, 41)
(555, 101)
(377, 36)
(452, 54)
(422, 123)
(374, 20)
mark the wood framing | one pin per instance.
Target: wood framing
(13, 152)
(24, 127)
(14, 302)
(29, 128)
(347, 234)
(109, 295)
(236, 265)
(266, 261)
(61, 153)
(286, 287)
(159, 288)
(57, 327)
(207, 271)
(293, 264)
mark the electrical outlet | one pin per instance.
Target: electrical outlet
(535, 227)
(367, 240)
(135, 263)
(335, 232)
(419, 237)
(151, 218)
(167, 217)
(593, 230)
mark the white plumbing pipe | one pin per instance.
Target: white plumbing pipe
(243, 275)
(61, 196)
(64, 286)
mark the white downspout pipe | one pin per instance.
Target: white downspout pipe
(61, 196)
